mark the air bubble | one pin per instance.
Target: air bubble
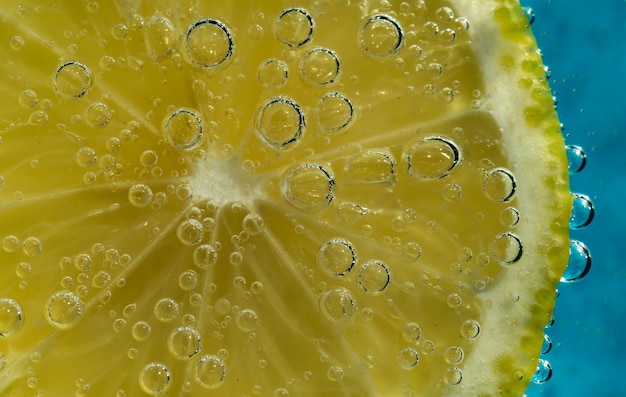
(411, 332)
(320, 67)
(337, 304)
(547, 345)
(28, 99)
(31, 246)
(308, 187)
(509, 217)
(408, 358)
(166, 310)
(16, 43)
(335, 112)
(253, 224)
(184, 343)
(371, 167)
(294, 27)
(209, 43)
(273, 73)
(210, 372)
(432, 157)
(183, 129)
(506, 249)
(184, 192)
(204, 256)
(280, 122)
(98, 115)
(337, 257)
(190, 232)
(335, 373)
(453, 355)
(10, 243)
(247, 320)
(576, 158)
(140, 195)
(374, 277)
(582, 211)
(579, 263)
(64, 310)
(499, 185)
(101, 279)
(161, 37)
(453, 376)
(470, 329)
(72, 80)
(381, 36)
(348, 212)
(188, 280)
(452, 192)
(154, 378)
(543, 373)
(11, 317)
(141, 331)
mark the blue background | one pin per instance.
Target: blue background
(583, 44)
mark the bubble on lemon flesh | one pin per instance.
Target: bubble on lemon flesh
(280, 198)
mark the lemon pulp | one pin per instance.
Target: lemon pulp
(276, 198)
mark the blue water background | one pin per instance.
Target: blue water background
(584, 44)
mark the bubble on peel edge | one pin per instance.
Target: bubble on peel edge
(579, 263)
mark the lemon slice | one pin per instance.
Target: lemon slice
(304, 198)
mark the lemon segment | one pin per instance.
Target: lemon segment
(276, 198)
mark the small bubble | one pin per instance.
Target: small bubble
(188, 280)
(543, 373)
(453, 355)
(337, 304)
(253, 224)
(154, 378)
(113, 144)
(184, 192)
(28, 99)
(337, 257)
(371, 167)
(509, 217)
(547, 345)
(72, 80)
(408, 358)
(11, 317)
(446, 36)
(280, 123)
(470, 329)
(235, 258)
(16, 43)
(141, 331)
(411, 332)
(348, 212)
(184, 343)
(452, 192)
(166, 310)
(210, 372)
(432, 157)
(247, 320)
(119, 31)
(320, 66)
(576, 158)
(161, 37)
(183, 129)
(453, 376)
(208, 43)
(281, 392)
(579, 263)
(294, 27)
(381, 36)
(335, 112)
(204, 256)
(273, 73)
(149, 158)
(374, 277)
(506, 249)
(107, 63)
(582, 211)
(454, 300)
(23, 269)
(140, 195)
(10, 243)
(190, 232)
(98, 114)
(256, 287)
(31, 246)
(335, 373)
(101, 279)
(499, 185)
(308, 187)
(64, 310)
